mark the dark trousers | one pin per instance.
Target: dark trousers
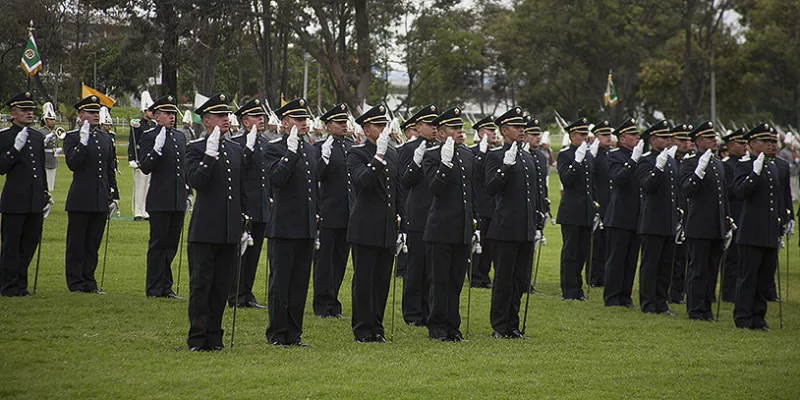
(84, 235)
(372, 273)
(574, 254)
(596, 277)
(402, 261)
(449, 264)
(329, 269)
(677, 283)
(701, 282)
(512, 270)
(758, 265)
(415, 282)
(654, 272)
(620, 268)
(210, 266)
(290, 261)
(20, 236)
(732, 264)
(482, 263)
(165, 233)
(247, 276)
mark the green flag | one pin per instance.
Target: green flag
(31, 62)
(610, 96)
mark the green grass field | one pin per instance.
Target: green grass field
(59, 344)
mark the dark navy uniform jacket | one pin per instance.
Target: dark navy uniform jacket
(623, 204)
(514, 188)
(786, 196)
(168, 187)
(94, 182)
(450, 219)
(25, 189)
(708, 199)
(135, 138)
(763, 212)
(334, 186)
(413, 179)
(221, 197)
(577, 201)
(542, 160)
(734, 202)
(373, 218)
(293, 181)
(483, 202)
(602, 190)
(255, 178)
(658, 211)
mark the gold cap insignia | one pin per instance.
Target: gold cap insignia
(381, 109)
(222, 97)
(342, 107)
(583, 120)
(302, 102)
(766, 125)
(258, 101)
(518, 110)
(27, 94)
(433, 108)
(457, 111)
(169, 98)
(94, 98)
(536, 121)
(710, 124)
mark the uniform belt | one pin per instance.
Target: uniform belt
(48, 150)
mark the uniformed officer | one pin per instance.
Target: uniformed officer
(372, 230)
(578, 209)
(511, 178)
(163, 158)
(622, 216)
(25, 196)
(215, 170)
(334, 212)
(252, 141)
(533, 136)
(737, 148)
(416, 287)
(450, 226)
(482, 263)
(783, 176)
(658, 218)
(761, 224)
(707, 220)
(409, 128)
(602, 191)
(52, 139)
(141, 182)
(292, 226)
(186, 127)
(681, 139)
(92, 197)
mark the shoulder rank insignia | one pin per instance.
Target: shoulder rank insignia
(197, 140)
(276, 140)
(745, 158)
(688, 156)
(434, 147)
(614, 149)
(646, 154)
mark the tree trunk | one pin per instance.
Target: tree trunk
(363, 52)
(166, 20)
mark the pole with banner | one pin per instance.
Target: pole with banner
(31, 61)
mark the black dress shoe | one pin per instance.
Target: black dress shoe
(378, 338)
(138, 219)
(516, 334)
(668, 312)
(278, 343)
(254, 304)
(499, 335)
(24, 293)
(439, 338)
(298, 343)
(774, 299)
(173, 296)
(98, 291)
(197, 349)
(457, 338)
(765, 329)
(365, 340)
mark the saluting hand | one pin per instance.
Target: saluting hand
(758, 164)
(85, 133)
(382, 143)
(637, 151)
(526, 147)
(483, 146)
(580, 153)
(161, 138)
(326, 149)
(595, 147)
(212, 143)
(251, 138)
(447, 152)
(510, 156)
(292, 142)
(702, 163)
(661, 160)
(21, 139)
(419, 153)
(672, 150)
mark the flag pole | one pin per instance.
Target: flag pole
(30, 34)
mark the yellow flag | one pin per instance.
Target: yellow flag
(104, 100)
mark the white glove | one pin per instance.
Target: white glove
(483, 146)
(702, 163)
(113, 208)
(672, 150)
(538, 236)
(189, 201)
(326, 149)
(526, 147)
(637, 151)
(212, 143)
(597, 223)
(47, 208)
(399, 243)
(447, 152)
(382, 143)
(758, 164)
(161, 138)
(133, 164)
(21, 139)
(251, 138)
(58, 151)
(419, 152)
(595, 147)
(580, 153)
(728, 239)
(49, 137)
(781, 243)
(244, 243)
(510, 156)
(790, 228)
(292, 142)
(85, 133)
(661, 160)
